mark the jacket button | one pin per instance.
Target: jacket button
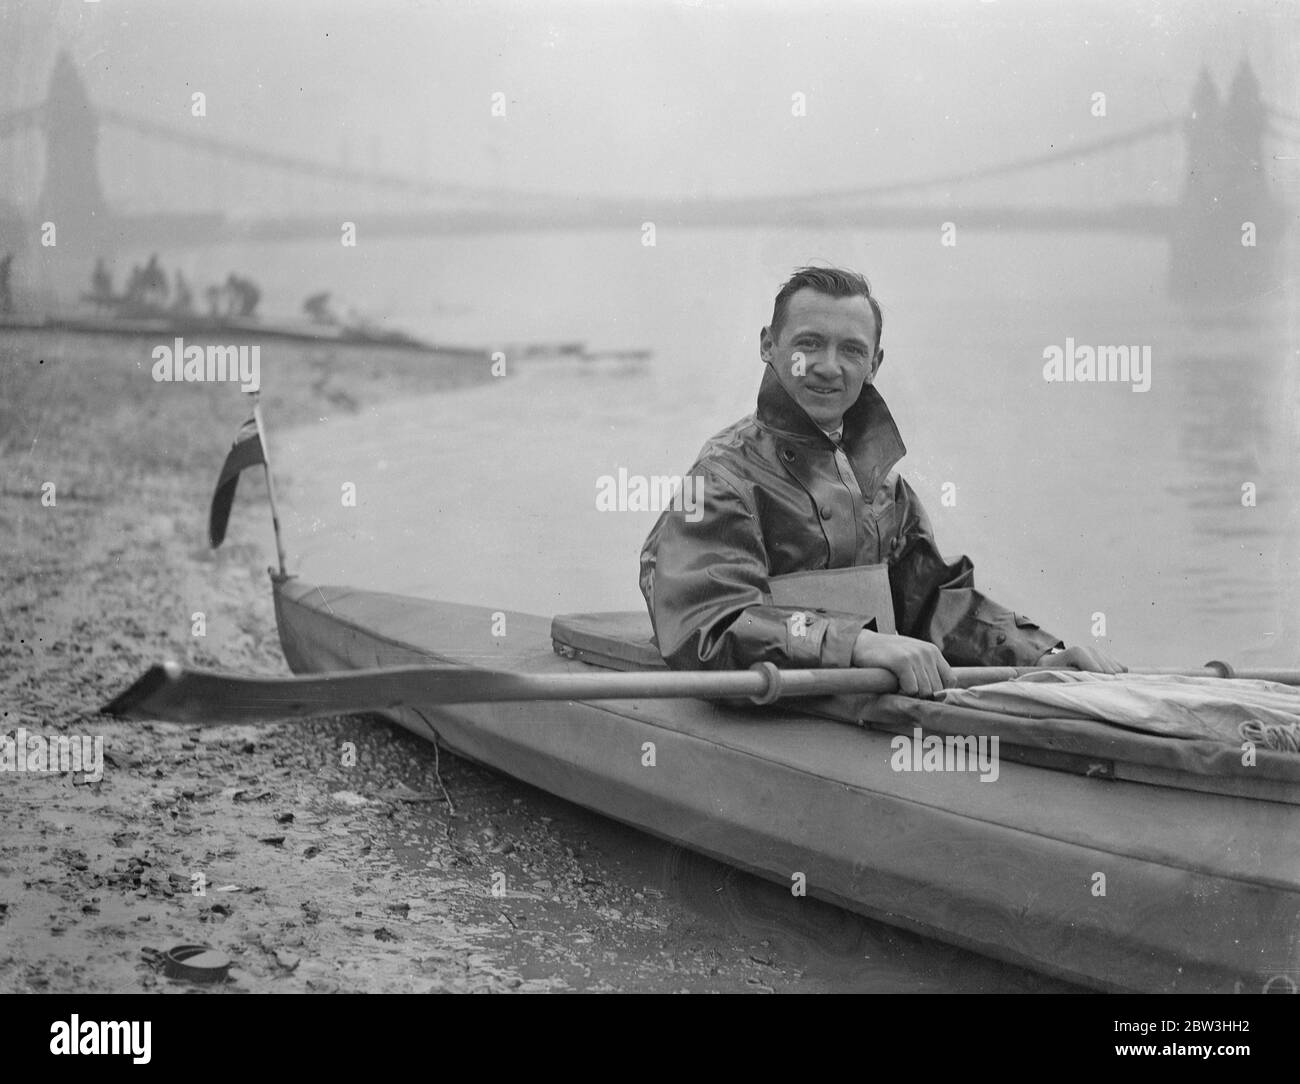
(1002, 637)
(826, 513)
(788, 455)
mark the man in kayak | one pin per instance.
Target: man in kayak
(806, 548)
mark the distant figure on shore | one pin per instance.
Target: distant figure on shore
(134, 285)
(182, 295)
(147, 285)
(153, 283)
(101, 281)
(238, 296)
(6, 287)
(244, 295)
(318, 308)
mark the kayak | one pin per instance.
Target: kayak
(1119, 872)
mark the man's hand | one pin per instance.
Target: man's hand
(1082, 658)
(918, 665)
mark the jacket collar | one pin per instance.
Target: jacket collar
(871, 439)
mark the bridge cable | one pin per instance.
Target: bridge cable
(304, 165)
(1048, 158)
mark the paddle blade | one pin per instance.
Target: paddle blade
(170, 692)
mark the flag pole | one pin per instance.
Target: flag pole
(270, 485)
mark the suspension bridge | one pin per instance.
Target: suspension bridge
(187, 188)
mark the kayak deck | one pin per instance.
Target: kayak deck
(1196, 891)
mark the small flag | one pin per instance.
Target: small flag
(245, 452)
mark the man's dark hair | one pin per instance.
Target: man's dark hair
(832, 281)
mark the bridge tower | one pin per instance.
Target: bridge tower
(1245, 120)
(1228, 234)
(71, 185)
(70, 195)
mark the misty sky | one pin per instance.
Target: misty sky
(662, 98)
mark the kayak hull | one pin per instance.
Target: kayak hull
(1113, 884)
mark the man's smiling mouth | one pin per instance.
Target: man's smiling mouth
(822, 391)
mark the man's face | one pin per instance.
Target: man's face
(826, 351)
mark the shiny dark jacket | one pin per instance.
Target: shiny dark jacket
(774, 502)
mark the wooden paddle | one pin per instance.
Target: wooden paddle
(174, 693)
